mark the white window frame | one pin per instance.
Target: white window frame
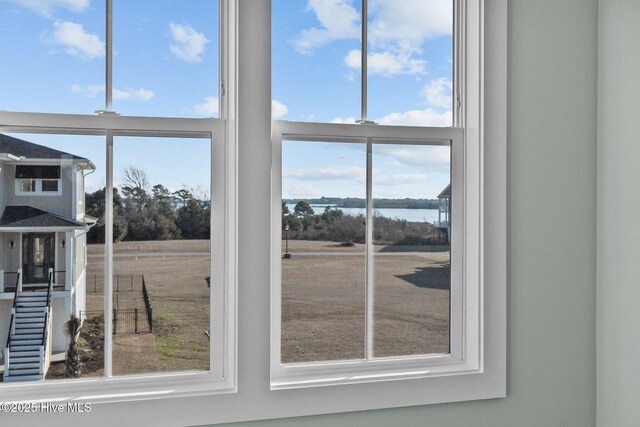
(248, 128)
(38, 187)
(221, 376)
(464, 352)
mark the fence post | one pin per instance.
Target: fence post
(136, 320)
(114, 321)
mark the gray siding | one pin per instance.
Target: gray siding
(58, 204)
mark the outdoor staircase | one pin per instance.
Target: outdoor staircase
(28, 350)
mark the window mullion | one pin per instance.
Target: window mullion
(108, 261)
(369, 252)
(109, 55)
(363, 67)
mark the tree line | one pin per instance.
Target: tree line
(333, 225)
(143, 212)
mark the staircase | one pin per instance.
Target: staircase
(28, 350)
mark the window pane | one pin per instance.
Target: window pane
(161, 260)
(53, 56)
(323, 264)
(314, 46)
(72, 255)
(50, 185)
(410, 62)
(165, 59)
(27, 185)
(412, 251)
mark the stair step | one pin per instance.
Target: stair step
(25, 348)
(28, 331)
(17, 358)
(30, 309)
(23, 364)
(26, 336)
(30, 315)
(24, 354)
(18, 343)
(30, 371)
(31, 303)
(18, 378)
(29, 325)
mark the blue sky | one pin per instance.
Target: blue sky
(166, 64)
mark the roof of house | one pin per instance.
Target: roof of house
(28, 216)
(30, 151)
(445, 193)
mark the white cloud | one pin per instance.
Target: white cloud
(408, 23)
(129, 94)
(386, 63)
(398, 179)
(350, 120)
(338, 20)
(90, 91)
(302, 191)
(424, 158)
(188, 44)
(77, 41)
(47, 7)
(278, 109)
(329, 173)
(428, 117)
(437, 93)
(209, 108)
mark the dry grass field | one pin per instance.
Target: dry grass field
(323, 311)
(324, 301)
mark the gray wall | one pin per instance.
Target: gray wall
(552, 232)
(618, 214)
(60, 205)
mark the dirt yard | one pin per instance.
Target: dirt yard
(324, 301)
(323, 316)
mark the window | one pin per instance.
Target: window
(26, 186)
(138, 243)
(244, 313)
(394, 301)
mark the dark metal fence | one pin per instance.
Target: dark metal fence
(125, 320)
(121, 283)
(147, 304)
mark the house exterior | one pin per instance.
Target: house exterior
(43, 230)
(444, 212)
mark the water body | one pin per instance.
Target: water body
(412, 215)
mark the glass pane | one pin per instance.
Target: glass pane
(161, 259)
(323, 263)
(50, 185)
(42, 254)
(410, 62)
(56, 52)
(411, 249)
(312, 43)
(165, 59)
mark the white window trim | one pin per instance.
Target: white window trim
(221, 376)
(38, 191)
(464, 355)
(248, 134)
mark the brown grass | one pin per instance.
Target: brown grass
(323, 304)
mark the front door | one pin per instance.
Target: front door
(38, 256)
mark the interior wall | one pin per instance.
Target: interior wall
(552, 239)
(618, 214)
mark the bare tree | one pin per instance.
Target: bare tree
(135, 178)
